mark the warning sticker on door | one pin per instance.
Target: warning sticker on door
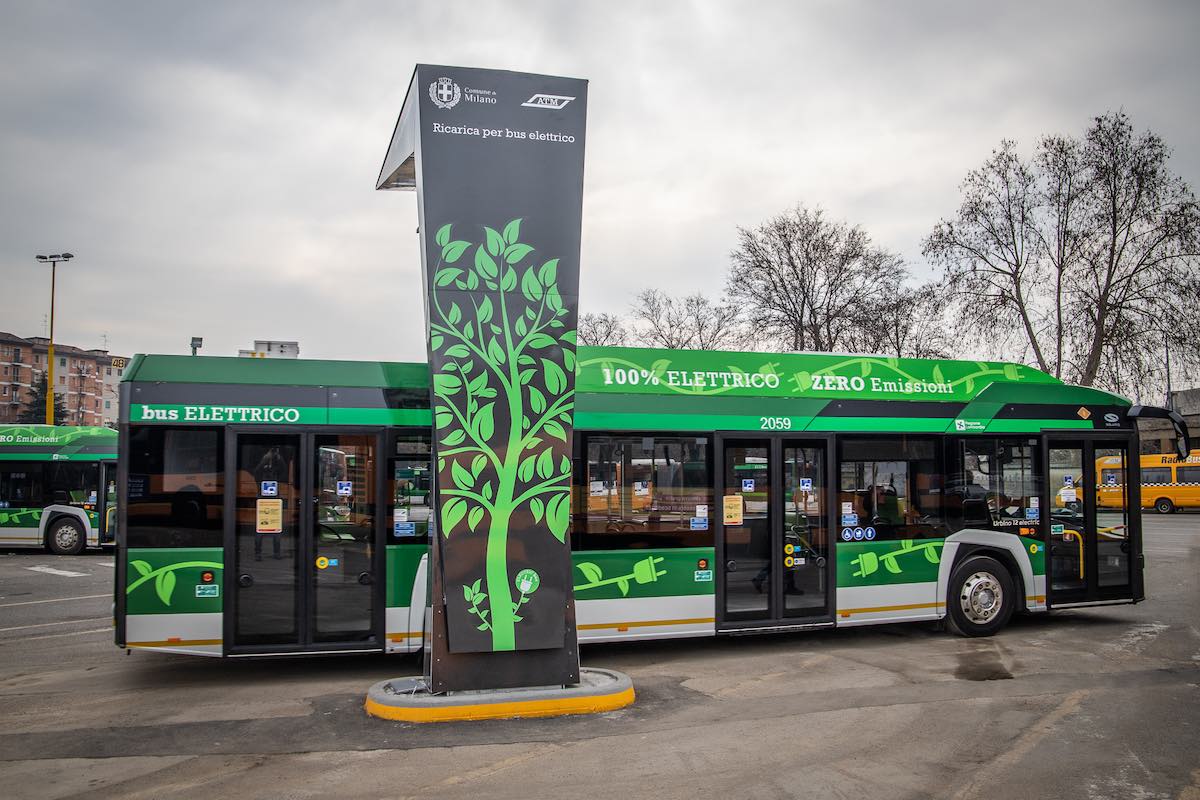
(732, 508)
(268, 517)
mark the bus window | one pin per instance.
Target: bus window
(68, 483)
(176, 487)
(1187, 474)
(994, 485)
(894, 484)
(645, 492)
(21, 485)
(409, 479)
(1153, 476)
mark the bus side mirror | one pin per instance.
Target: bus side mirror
(1183, 442)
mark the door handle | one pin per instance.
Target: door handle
(365, 578)
(731, 566)
(245, 581)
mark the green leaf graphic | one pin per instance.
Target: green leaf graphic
(486, 421)
(462, 478)
(537, 401)
(485, 263)
(164, 586)
(548, 272)
(512, 231)
(591, 571)
(453, 251)
(516, 252)
(495, 242)
(556, 379)
(446, 276)
(474, 517)
(453, 510)
(558, 515)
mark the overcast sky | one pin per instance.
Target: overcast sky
(212, 164)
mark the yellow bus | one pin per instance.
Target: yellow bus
(1168, 482)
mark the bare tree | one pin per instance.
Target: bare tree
(1142, 277)
(681, 323)
(811, 283)
(602, 330)
(913, 325)
(1089, 250)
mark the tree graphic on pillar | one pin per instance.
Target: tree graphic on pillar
(504, 396)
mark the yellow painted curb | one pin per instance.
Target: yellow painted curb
(518, 709)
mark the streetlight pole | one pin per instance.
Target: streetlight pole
(53, 260)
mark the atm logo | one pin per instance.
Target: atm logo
(550, 101)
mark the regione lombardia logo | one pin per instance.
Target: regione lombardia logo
(444, 93)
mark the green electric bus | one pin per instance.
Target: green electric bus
(57, 487)
(282, 506)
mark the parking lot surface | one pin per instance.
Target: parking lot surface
(1095, 703)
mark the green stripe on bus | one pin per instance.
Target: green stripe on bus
(616, 574)
(57, 456)
(20, 517)
(176, 413)
(683, 422)
(884, 563)
(1035, 425)
(420, 417)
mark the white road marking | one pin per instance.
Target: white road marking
(56, 600)
(48, 624)
(108, 564)
(66, 573)
(72, 633)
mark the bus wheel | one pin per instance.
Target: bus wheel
(1164, 505)
(65, 537)
(981, 598)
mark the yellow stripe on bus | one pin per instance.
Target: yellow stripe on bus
(400, 637)
(646, 623)
(845, 612)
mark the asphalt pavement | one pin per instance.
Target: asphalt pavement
(1096, 703)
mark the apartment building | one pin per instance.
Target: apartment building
(85, 380)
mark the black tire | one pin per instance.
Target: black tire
(64, 537)
(981, 597)
(1163, 505)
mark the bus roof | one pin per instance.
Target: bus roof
(56, 443)
(702, 390)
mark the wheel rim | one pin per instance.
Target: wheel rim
(66, 537)
(981, 598)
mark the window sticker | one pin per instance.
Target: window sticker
(268, 516)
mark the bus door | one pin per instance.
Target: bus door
(304, 543)
(106, 502)
(1094, 537)
(773, 542)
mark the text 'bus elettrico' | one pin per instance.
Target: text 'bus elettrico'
(281, 506)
